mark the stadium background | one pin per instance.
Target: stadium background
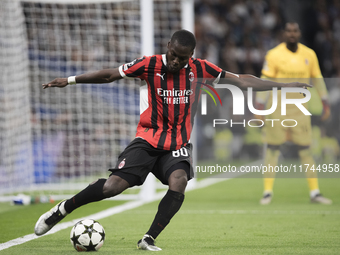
(75, 133)
(224, 218)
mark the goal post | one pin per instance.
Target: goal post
(61, 140)
(16, 165)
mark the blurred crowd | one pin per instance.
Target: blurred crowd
(236, 35)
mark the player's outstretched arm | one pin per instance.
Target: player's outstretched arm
(102, 76)
(244, 81)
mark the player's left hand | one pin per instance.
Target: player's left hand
(326, 111)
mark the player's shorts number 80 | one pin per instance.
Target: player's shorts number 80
(181, 152)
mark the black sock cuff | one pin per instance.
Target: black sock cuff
(99, 184)
(176, 195)
(97, 188)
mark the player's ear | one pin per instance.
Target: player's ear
(168, 46)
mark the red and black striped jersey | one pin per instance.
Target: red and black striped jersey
(168, 101)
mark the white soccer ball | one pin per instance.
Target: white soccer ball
(87, 235)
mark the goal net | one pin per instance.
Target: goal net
(62, 139)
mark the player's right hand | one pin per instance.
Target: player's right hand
(326, 111)
(58, 82)
(298, 85)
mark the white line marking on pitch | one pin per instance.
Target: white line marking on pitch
(103, 214)
(249, 212)
(264, 212)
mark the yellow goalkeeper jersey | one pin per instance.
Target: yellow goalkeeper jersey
(283, 65)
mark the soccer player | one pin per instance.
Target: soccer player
(291, 59)
(161, 145)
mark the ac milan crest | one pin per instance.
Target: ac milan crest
(121, 164)
(191, 76)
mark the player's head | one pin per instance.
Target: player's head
(292, 33)
(180, 49)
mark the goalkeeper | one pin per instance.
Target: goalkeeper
(291, 60)
(161, 146)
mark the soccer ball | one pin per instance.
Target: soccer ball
(87, 235)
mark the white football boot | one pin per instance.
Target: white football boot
(49, 219)
(147, 243)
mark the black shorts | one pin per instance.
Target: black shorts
(140, 158)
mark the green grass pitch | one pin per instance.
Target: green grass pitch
(224, 218)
